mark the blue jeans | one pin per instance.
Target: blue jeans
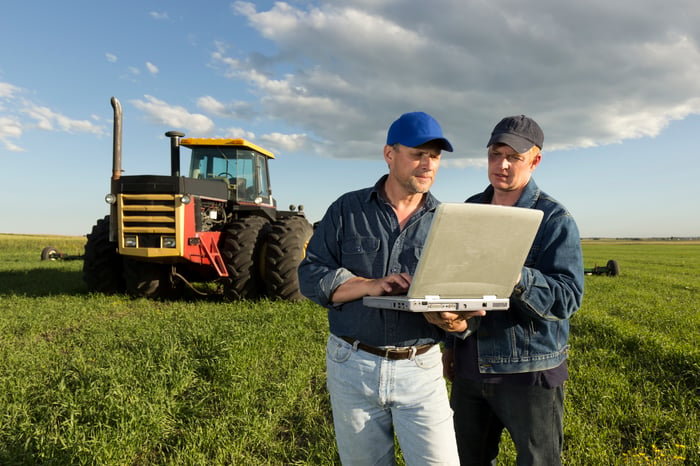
(533, 416)
(373, 397)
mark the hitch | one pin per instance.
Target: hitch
(612, 269)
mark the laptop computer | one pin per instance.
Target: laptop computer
(471, 259)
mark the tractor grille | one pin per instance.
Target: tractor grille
(148, 217)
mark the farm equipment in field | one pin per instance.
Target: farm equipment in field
(219, 224)
(611, 268)
(50, 253)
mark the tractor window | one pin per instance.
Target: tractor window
(213, 162)
(244, 168)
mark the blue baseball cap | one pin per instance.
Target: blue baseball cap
(416, 128)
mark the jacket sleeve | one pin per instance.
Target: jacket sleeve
(552, 288)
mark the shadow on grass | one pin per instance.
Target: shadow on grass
(42, 282)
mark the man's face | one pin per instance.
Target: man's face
(414, 168)
(508, 170)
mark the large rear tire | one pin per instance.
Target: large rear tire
(286, 247)
(241, 250)
(102, 264)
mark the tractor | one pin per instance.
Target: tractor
(215, 231)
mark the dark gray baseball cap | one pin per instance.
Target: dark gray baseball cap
(519, 132)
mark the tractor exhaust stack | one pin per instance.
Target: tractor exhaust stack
(117, 140)
(174, 151)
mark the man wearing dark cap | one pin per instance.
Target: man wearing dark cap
(509, 371)
(384, 371)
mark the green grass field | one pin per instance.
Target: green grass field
(109, 380)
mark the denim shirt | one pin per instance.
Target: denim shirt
(360, 236)
(533, 334)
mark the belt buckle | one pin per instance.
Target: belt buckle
(387, 351)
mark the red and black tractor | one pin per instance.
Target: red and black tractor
(218, 225)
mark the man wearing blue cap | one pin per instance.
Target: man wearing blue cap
(384, 371)
(509, 372)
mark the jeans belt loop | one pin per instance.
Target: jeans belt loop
(412, 353)
(355, 344)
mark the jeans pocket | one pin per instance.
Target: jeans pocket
(337, 351)
(430, 359)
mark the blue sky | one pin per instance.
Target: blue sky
(613, 84)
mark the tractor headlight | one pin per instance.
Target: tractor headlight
(130, 241)
(110, 198)
(169, 242)
(185, 199)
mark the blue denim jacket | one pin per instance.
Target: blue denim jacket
(533, 334)
(360, 236)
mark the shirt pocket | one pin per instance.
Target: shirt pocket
(359, 254)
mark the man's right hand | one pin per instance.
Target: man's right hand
(358, 287)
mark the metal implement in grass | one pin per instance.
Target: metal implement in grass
(50, 253)
(612, 269)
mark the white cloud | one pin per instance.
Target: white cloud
(158, 15)
(236, 133)
(7, 90)
(10, 128)
(47, 119)
(210, 105)
(236, 109)
(20, 115)
(285, 142)
(174, 116)
(111, 57)
(591, 73)
(153, 69)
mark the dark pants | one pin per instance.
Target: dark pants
(533, 416)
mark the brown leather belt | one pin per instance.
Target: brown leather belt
(389, 353)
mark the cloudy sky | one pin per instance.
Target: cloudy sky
(615, 86)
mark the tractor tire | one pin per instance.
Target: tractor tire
(613, 268)
(102, 264)
(147, 279)
(286, 247)
(50, 253)
(241, 247)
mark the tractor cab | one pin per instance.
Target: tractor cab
(242, 165)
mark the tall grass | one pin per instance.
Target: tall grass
(95, 379)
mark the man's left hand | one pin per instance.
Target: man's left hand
(452, 321)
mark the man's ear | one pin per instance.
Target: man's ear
(388, 153)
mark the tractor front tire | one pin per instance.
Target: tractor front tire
(102, 264)
(286, 247)
(147, 279)
(241, 248)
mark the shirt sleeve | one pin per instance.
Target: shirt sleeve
(320, 272)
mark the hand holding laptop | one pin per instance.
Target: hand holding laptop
(453, 321)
